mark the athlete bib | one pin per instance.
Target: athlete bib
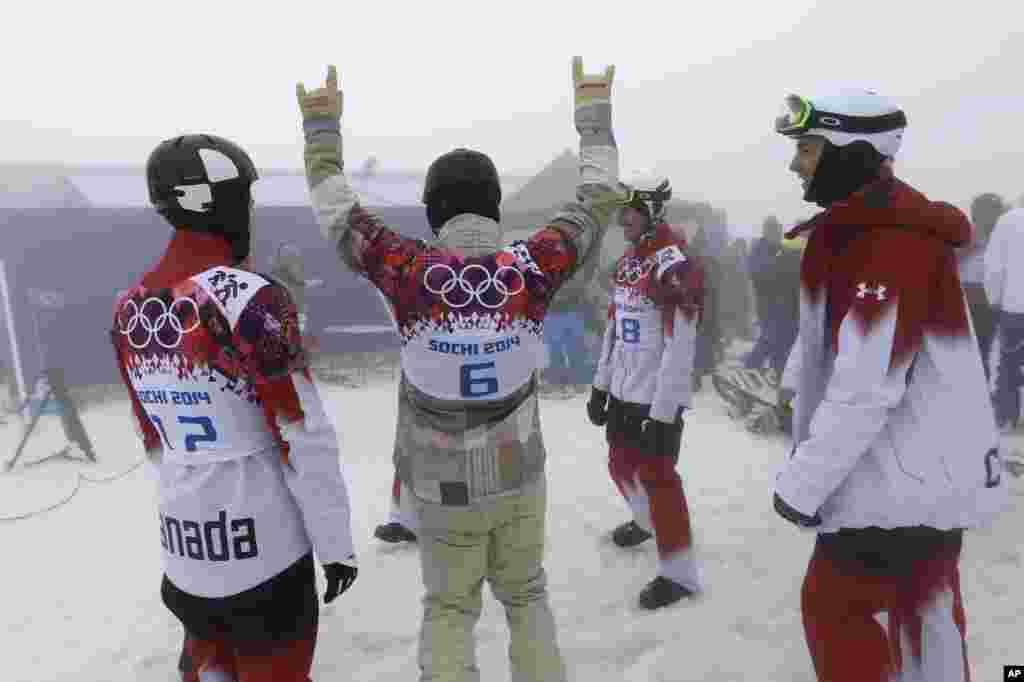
(481, 339)
(202, 414)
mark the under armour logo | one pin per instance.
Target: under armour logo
(863, 290)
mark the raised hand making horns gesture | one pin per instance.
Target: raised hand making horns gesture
(592, 99)
(590, 89)
(322, 103)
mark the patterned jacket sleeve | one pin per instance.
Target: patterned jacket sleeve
(361, 240)
(572, 239)
(681, 294)
(144, 427)
(269, 329)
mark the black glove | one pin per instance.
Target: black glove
(597, 407)
(339, 578)
(793, 516)
(661, 438)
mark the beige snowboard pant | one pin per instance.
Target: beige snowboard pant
(502, 540)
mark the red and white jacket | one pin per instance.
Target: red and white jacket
(244, 453)
(649, 342)
(892, 421)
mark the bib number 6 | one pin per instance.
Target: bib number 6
(477, 380)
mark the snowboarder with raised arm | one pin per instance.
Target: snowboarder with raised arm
(471, 316)
(245, 457)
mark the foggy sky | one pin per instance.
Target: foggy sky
(697, 84)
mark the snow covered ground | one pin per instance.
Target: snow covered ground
(79, 588)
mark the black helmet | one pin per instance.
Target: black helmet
(461, 181)
(202, 183)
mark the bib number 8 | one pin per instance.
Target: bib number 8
(630, 330)
(474, 383)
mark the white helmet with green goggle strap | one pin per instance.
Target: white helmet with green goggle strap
(845, 118)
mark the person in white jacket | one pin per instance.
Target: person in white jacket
(985, 212)
(895, 450)
(245, 456)
(642, 387)
(1004, 285)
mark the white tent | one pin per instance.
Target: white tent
(38, 186)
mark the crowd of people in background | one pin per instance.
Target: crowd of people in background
(992, 275)
(752, 296)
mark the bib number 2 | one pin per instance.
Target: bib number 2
(206, 433)
(478, 379)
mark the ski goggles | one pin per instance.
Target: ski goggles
(799, 116)
(659, 195)
(795, 117)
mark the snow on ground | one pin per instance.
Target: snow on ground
(80, 583)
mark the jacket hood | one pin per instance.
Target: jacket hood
(471, 234)
(889, 203)
(188, 254)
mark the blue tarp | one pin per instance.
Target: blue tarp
(89, 254)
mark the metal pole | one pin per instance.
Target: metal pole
(9, 315)
(39, 337)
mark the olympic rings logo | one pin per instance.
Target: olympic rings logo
(167, 316)
(473, 286)
(634, 270)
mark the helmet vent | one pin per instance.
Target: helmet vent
(196, 198)
(218, 166)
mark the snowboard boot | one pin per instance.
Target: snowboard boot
(630, 535)
(394, 533)
(662, 592)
